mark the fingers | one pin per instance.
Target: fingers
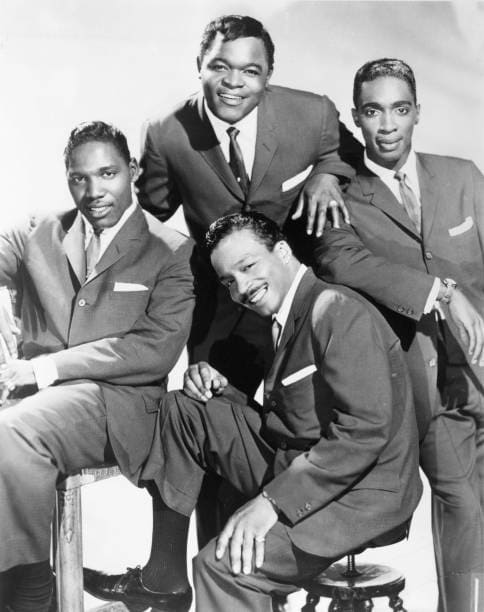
(300, 207)
(311, 209)
(223, 540)
(259, 551)
(197, 381)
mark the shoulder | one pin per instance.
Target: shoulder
(287, 97)
(166, 237)
(445, 162)
(169, 120)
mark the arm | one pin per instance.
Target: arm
(321, 190)
(355, 372)
(157, 191)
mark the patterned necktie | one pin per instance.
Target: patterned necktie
(236, 163)
(409, 200)
(92, 252)
(276, 333)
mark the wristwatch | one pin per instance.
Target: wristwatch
(450, 285)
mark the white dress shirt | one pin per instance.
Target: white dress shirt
(45, 370)
(409, 168)
(247, 127)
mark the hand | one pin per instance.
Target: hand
(8, 332)
(201, 381)
(245, 531)
(470, 325)
(16, 373)
(320, 192)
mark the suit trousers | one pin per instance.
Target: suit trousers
(223, 436)
(452, 457)
(55, 431)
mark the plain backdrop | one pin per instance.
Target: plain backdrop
(66, 61)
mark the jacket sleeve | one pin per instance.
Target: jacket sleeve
(157, 190)
(342, 258)
(355, 366)
(12, 244)
(146, 353)
(337, 145)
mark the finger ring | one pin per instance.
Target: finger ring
(260, 539)
(333, 203)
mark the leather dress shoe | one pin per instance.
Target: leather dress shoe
(129, 589)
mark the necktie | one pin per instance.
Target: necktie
(92, 252)
(236, 163)
(409, 200)
(276, 333)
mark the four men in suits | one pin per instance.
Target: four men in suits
(328, 463)
(415, 246)
(106, 297)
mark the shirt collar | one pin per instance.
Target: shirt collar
(110, 232)
(409, 167)
(247, 125)
(283, 312)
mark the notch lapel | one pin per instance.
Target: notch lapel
(380, 196)
(73, 245)
(429, 194)
(266, 143)
(205, 142)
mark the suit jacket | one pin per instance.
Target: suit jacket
(183, 163)
(383, 256)
(339, 408)
(124, 328)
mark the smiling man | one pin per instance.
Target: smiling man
(327, 464)
(416, 247)
(105, 294)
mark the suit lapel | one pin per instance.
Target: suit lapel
(429, 194)
(266, 143)
(205, 142)
(380, 196)
(73, 244)
(299, 307)
(132, 231)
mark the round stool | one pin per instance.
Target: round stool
(352, 589)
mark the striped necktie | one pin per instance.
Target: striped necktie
(409, 200)
(236, 163)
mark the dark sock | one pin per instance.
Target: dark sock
(32, 587)
(166, 570)
(6, 586)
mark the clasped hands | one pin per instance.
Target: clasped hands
(244, 534)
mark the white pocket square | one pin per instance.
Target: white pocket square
(295, 180)
(118, 286)
(463, 227)
(292, 378)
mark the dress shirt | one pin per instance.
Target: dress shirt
(246, 138)
(409, 168)
(281, 317)
(45, 370)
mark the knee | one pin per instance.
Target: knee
(205, 564)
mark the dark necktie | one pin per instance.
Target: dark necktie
(92, 252)
(409, 200)
(236, 162)
(276, 333)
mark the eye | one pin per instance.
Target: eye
(403, 110)
(252, 72)
(370, 112)
(247, 266)
(108, 173)
(77, 180)
(218, 67)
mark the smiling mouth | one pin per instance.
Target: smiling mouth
(256, 296)
(389, 145)
(98, 210)
(230, 99)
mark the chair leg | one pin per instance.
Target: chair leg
(396, 603)
(312, 601)
(70, 596)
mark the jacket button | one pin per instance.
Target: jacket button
(400, 309)
(307, 506)
(273, 403)
(428, 255)
(82, 302)
(432, 362)
(283, 445)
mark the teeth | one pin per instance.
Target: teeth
(258, 295)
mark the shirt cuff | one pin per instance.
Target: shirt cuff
(432, 298)
(45, 371)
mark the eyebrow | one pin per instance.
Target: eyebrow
(224, 61)
(394, 104)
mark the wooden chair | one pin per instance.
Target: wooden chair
(352, 589)
(67, 535)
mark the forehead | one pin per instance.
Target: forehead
(385, 90)
(246, 50)
(95, 154)
(235, 247)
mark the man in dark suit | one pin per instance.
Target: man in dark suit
(106, 296)
(416, 247)
(327, 462)
(283, 159)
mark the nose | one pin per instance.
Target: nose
(233, 79)
(238, 289)
(94, 188)
(387, 122)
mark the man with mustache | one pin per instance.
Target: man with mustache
(416, 247)
(327, 462)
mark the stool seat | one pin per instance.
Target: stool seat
(352, 588)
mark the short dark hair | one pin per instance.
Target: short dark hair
(264, 229)
(382, 68)
(97, 131)
(232, 27)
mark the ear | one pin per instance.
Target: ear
(133, 169)
(283, 251)
(199, 64)
(417, 116)
(268, 77)
(354, 114)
